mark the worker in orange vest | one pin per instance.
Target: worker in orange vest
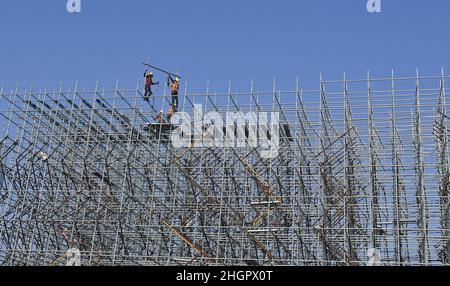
(174, 88)
(170, 113)
(160, 118)
(148, 85)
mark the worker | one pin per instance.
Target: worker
(170, 113)
(148, 85)
(174, 88)
(160, 117)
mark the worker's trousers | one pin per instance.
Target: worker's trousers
(175, 99)
(148, 91)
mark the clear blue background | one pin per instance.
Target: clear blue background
(220, 40)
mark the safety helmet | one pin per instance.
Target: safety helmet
(161, 111)
(177, 79)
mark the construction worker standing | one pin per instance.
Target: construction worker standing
(148, 84)
(174, 88)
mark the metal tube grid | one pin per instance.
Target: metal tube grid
(366, 167)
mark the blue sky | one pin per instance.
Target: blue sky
(220, 40)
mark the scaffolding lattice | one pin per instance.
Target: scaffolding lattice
(363, 168)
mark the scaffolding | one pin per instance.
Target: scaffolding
(361, 178)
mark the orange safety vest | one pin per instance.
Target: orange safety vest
(175, 86)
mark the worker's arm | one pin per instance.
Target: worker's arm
(155, 83)
(145, 73)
